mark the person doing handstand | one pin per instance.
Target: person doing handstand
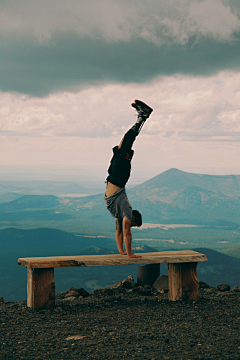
(119, 172)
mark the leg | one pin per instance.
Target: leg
(119, 236)
(120, 165)
(144, 111)
(128, 140)
(190, 281)
(147, 274)
(183, 283)
(40, 288)
(175, 282)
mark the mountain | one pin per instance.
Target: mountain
(172, 197)
(177, 180)
(232, 251)
(31, 202)
(9, 196)
(48, 242)
(176, 196)
(74, 189)
(58, 188)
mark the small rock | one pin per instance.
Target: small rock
(128, 283)
(133, 291)
(235, 288)
(72, 289)
(146, 286)
(223, 287)
(203, 285)
(69, 298)
(75, 337)
(1, 300)
(142, 291)
(81, 297)
(116, 286)
(83, 292)
(164, 291)
(60, 296)
(72, 293)
(106, 291)
(161, 283)
(210, 290)
(113, 298)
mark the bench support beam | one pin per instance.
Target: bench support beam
(183, 282)
(40, 288)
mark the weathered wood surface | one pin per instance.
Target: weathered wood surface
(189, 281)
(183, 282)
(108, 260)
(40, 288)
(174, 282)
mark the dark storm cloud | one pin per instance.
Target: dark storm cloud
(51, 45)
(34, 68)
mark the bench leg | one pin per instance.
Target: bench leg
(147, 274)
(40, 288)
(183, 282)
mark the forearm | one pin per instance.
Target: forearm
(119, 241)
(128, 243)
(128, 238)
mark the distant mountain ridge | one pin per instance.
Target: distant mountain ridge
(15, 189)
(229, 185)
(178, 196)
(174, 197)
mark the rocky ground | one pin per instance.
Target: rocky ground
(124, 322)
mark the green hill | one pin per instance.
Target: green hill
(31, 202)
(232, 251)
(220, 268)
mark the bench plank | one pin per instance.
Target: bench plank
(114, 259)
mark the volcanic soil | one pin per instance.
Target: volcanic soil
(125, 326)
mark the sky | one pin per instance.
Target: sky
(69, 71)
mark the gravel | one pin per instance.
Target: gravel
(124, 326)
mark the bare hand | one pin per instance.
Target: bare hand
(132, 255)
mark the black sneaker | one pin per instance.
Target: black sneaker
(142, 108)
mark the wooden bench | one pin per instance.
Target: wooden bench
(182, 273)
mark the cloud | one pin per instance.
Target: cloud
(113, 20)
(70, 62)
(43, 18)
(185, 109)
(50, 46)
